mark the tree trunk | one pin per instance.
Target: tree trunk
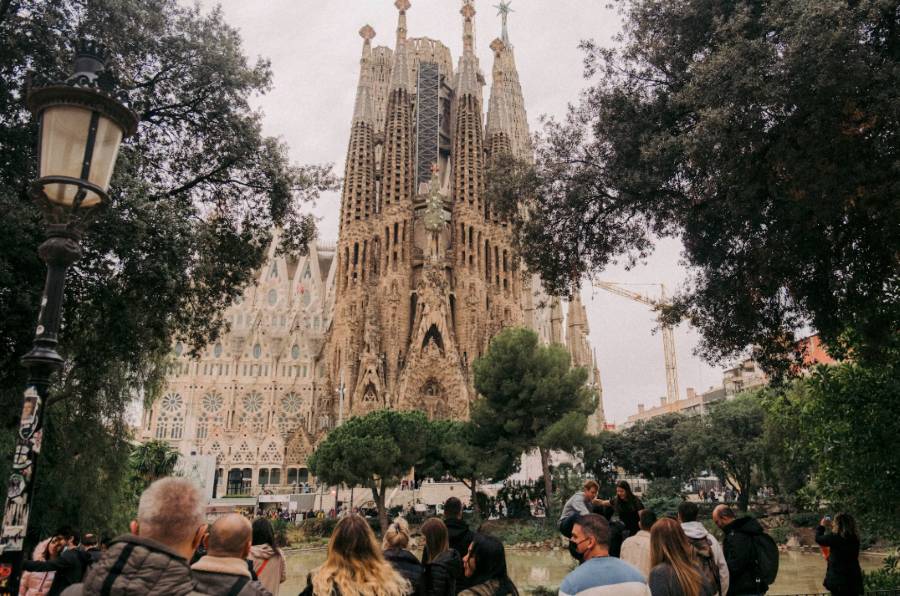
(548, 481)
(743, 499)
(379, 497)
(472, 485)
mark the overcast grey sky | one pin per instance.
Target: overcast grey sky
(314, 48)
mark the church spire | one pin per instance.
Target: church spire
(503, 10)
(364, 110)
(400, 69)
(507, 122)
(468, 63)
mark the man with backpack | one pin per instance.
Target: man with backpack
(751, 554)
(709, 551)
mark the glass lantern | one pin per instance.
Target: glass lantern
(81, 126)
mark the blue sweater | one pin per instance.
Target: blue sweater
(602, 576)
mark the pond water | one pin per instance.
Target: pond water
(798, 572)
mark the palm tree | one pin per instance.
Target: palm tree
(152, 460)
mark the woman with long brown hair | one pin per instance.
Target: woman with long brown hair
(625, 505)
(354, 565)
(674, 569)
(844, 576)
(443, 565)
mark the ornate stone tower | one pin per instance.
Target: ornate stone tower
(426, 273)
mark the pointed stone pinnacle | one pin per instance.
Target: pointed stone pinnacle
(367, 33)
(468, 9)
(402, 5)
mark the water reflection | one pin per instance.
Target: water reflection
(798, 572)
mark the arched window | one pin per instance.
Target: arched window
(257, 351)
(162, 426)
(273, 297)
(263, 477)
(275, 476)
(217, 350)
(295, 352)
(202, 427)
(177, 426)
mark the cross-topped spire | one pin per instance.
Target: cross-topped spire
(503, 10)
(400, 68)
(468, 13)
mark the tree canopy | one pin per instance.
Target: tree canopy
(194, 199)
(764, 136)
(838, 432)
(376, 451)
(531, 398)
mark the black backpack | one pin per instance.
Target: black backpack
(707, 559)
(766, 552)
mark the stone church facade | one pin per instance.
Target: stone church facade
(423, 275)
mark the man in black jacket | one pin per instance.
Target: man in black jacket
(740, 552)
(458, 532)
(68, 568)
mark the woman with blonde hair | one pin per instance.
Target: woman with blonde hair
(355, 565)
(396, 551)
(443, 565)
(674, 568)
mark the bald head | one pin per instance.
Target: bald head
(723, 515)
(230, 536)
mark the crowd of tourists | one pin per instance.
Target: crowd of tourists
(621, 548)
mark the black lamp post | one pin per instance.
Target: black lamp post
(80, 127)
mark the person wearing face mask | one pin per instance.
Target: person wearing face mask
(485, 569)
(600, 574)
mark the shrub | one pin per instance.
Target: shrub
(536, 530)
(543, 591)
(323, 527)
(886, 578)
(780, 534)
(806, 519)
(280, 527)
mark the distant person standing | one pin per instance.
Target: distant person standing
(844, 576)
(636, 549)
(458, 532)
(626, 506)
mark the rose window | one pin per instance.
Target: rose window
(253, 402)
(212, 402)
(171, 402)
(291, 403)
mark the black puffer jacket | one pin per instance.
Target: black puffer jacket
(441, 574)
(459, 535)
(406, 565)
(844, 574)
(740, 554)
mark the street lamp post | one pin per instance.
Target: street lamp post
(80, 127)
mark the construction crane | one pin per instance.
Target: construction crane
(668, 336)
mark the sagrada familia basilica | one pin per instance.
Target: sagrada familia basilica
(423, 274)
